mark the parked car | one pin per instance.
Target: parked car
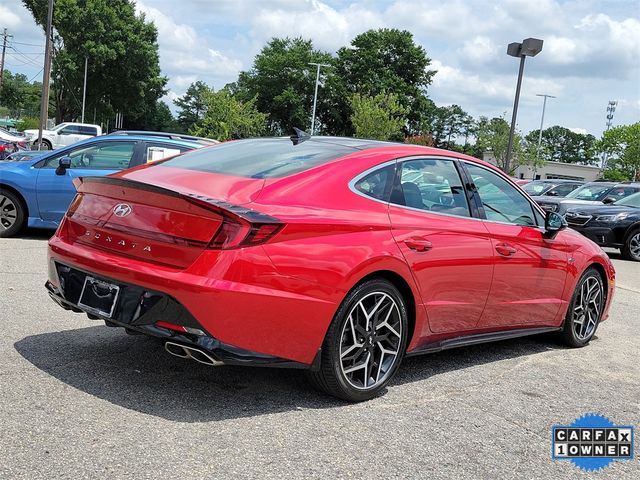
(64, 134)
(320, 253)
(616, 225)
(7, 148)
(16, 138)
(37, 192)
(551, 188)
(593, 193)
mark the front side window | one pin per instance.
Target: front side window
(621, 192)
(500, 200)
(433, 185)
(70, 130)
(377, 184)
(591, 192)
(630, 201)
(104, 155)
(562, 190)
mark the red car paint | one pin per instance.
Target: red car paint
(279, 297)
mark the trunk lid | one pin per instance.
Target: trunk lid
(143, 221)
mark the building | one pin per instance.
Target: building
(553, 170)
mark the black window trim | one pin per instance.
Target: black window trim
(478, 201)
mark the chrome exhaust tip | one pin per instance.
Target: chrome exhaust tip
(191, 353)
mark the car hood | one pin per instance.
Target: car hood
(602, 209)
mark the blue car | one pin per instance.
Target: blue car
(37, 191)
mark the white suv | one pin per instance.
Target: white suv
(64, 134)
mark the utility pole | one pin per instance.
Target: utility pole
(84, 89)
(46, 77)
(315, 95)
(4, 49)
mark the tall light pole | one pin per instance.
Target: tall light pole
(529, 47)
(544, 106)
(46, 77)
(315, 95)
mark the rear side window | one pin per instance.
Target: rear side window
(158, 151)
(259, 158)
(377, 184)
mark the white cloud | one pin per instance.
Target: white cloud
(581, 131)
(185, 55)
(329, 28)
(9, 19)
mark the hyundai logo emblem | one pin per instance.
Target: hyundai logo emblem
(122, 210)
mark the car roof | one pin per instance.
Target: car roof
(166, 135)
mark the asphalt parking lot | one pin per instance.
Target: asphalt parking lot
(80, 400)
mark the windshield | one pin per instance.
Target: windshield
(537, 188)
(630, 201)
(58, 127)
(589, 192)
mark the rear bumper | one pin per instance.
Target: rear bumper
(244, 306)
(140, 309)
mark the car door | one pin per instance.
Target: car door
(530, 269)
(55, 191)
(449, 252)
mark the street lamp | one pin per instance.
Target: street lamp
(544, 106)
(315, 95)
(529, 47)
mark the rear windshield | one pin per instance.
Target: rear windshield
(259, 158)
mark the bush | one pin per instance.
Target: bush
(28, 123)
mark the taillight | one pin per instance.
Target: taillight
(236, 233)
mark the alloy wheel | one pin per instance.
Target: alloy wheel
(370, 341)
(8, 213)
(634, 246)
(587, 308)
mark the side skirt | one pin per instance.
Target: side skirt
(478, 338)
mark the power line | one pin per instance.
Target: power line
(27, 44)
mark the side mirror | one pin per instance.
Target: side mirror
(63, 164)
(553, 223)
(608, 200)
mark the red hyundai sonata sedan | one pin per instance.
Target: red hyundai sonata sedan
(335, 255)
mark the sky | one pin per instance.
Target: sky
(591, 52)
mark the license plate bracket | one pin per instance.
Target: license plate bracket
(99, 297)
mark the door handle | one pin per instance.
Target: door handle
(418, 244)
(505, 250)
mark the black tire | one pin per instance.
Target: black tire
(578, 316)
(46, 145)
(12, 213)
(331, 377)
(631, 245)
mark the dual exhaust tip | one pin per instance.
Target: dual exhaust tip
(191, 353)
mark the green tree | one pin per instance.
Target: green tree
(192, 105)
(19, 96)
(559, 144)
(381, 61)
(493, 136)
(621, 145)
(380, 117)
(282, 82)
(228, 118)
(124, 70)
